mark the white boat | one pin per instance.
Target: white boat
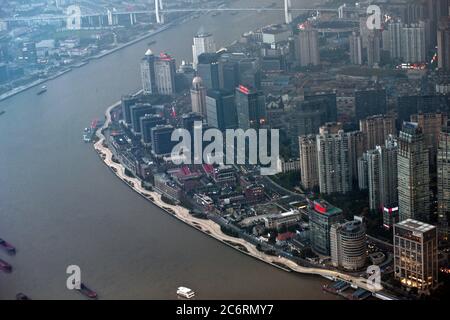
(185, 292)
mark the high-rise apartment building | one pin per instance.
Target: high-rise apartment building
(337, 156)
(307, 47)
(309, 174)
(355, 41)
(382, 175)
(374, 48)
(376, 129)
(413, 43)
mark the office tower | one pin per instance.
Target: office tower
(208, 70)
(229, 74)
(443, 178)
(221, 109)
(250, 107)
(185, 75)
(416, 255)
(165, 71)
(374, 48)
(322, 216)
(413, 174)
(309, 174)
(348, 245)
(203, 43)
(127, 102)
(198, 96)
(382, 175)
(148, 122)
(162, 143)
(250, 72)
(431, 124)
(307, 117)
(443, 43)
(409, 105)
(369, 103)
(355, 48)
(335, 172)
(437, 10)
(376, 129)
(413, 43)
(148, 76)
(137, 111)
(330, 101)
(307, 47)
(395, 39)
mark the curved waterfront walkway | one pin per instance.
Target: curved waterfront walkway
(207, 226)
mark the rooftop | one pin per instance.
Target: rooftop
(414, 225)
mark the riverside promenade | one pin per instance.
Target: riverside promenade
(209, 227)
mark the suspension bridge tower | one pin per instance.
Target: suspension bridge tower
(287, 11)
(159, 16)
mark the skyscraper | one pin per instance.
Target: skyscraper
(355, 48)
(395, 39)
(148, 76)
(221, 109)
(165, 70)
(203, 43)
(437, 9)
(307, 47)
(443, 176)
(198, 96)
(443, 43)
(413, 174)
(137, 111)
(431, 124)
(374, 48)
(382, 175)
(413, 43)
(161, 139)
(322, 216)
(376, 129)
(335, 172)
(148, 122)
(208, 70)
(250, 107)
(127, 102)
(416, 255)
(309, 174)
(158, 74)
